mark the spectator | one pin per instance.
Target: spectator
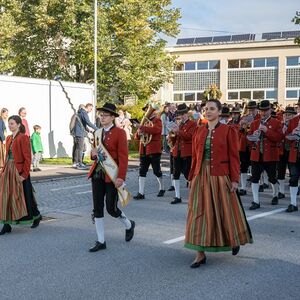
(22, 114)
(165, 121)
(37, 148)
(119, 121)
(3, 128)
(80, 133)
(171, 113)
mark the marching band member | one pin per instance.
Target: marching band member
(244, 146)
(294, 161)
(115, 142)
(150, 152)
(288, 114)
(181, 139)
(216, 220)
(225, 115)
(235, 117)
(264, 151)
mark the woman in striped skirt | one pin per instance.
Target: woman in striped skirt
(216, 220)
(17, 202)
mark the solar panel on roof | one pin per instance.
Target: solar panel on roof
(271, 35)
(220, 39)
(290, 34)
(252, 37)
(186, 41)
(203, 40)
(240, 37)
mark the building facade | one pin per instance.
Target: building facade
(251, 69)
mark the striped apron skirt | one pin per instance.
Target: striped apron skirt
(216, 219)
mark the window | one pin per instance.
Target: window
(189, 97)
(233, 96)
(189, 66)
(200, 97)
(246, 63)
(202, 65)
(233, 63)
(271, 94)
(245, 95)
(178, 97)
(259, 62)
(179, 67)
(292, 61)
(214, 64)
(272, 62)
(258, 95)
(290, 94)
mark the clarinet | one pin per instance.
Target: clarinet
(263, 121)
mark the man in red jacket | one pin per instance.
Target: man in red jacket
(181, 138)
(265, 151)
(115, 141)
(150, 154)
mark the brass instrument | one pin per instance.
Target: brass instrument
(145, 138)
(171, 135)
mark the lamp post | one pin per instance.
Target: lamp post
(95, 50)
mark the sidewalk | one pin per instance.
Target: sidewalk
(54, 172)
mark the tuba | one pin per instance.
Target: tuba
(145, 138)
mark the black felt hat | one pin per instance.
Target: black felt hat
(225, 111)
(251, 104)
(182, 109)
(235, 110)
(109, 107)
(264, 105)
(290, 110)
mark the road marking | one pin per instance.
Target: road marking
(272, 212)
(70, 187)
(80, 193)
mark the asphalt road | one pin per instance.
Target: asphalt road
(53, 262)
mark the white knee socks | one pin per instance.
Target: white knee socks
(99, 222)
(177, 188)
(281, 186)
(244, 180)
(255, 188)
(160, 183)
(125, 221)
(142, 181)
(275, 189)
(293, 191)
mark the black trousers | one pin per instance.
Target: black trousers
(78, 149)
(282, 165)
(181, 165)
(154, 161)
(102, 190)
(294, 169)
(245, 161)
(259, 166)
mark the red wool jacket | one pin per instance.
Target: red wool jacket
(271, 141)
(183, 139)
(293, 144)
(21, 151)
(224, 152)
(116, 144)
(155, 144)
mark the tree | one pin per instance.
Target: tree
(296, 21)
(49, 37)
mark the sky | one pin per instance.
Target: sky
(206, 18)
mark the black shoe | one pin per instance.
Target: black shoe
(261, 188)
(242, 192)
(161, 193)
(5, 229)
(176, 200)
(254, 206)
(298, 193)
(266, 186)
(291, 208)
(171, 188)
(274, 200)
(130, 232)
(139, 196)
(280, 196)
(197, 264)
(36, 222)
(98, 246)
(235, 250)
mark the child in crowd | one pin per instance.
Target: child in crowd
(37, 147)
